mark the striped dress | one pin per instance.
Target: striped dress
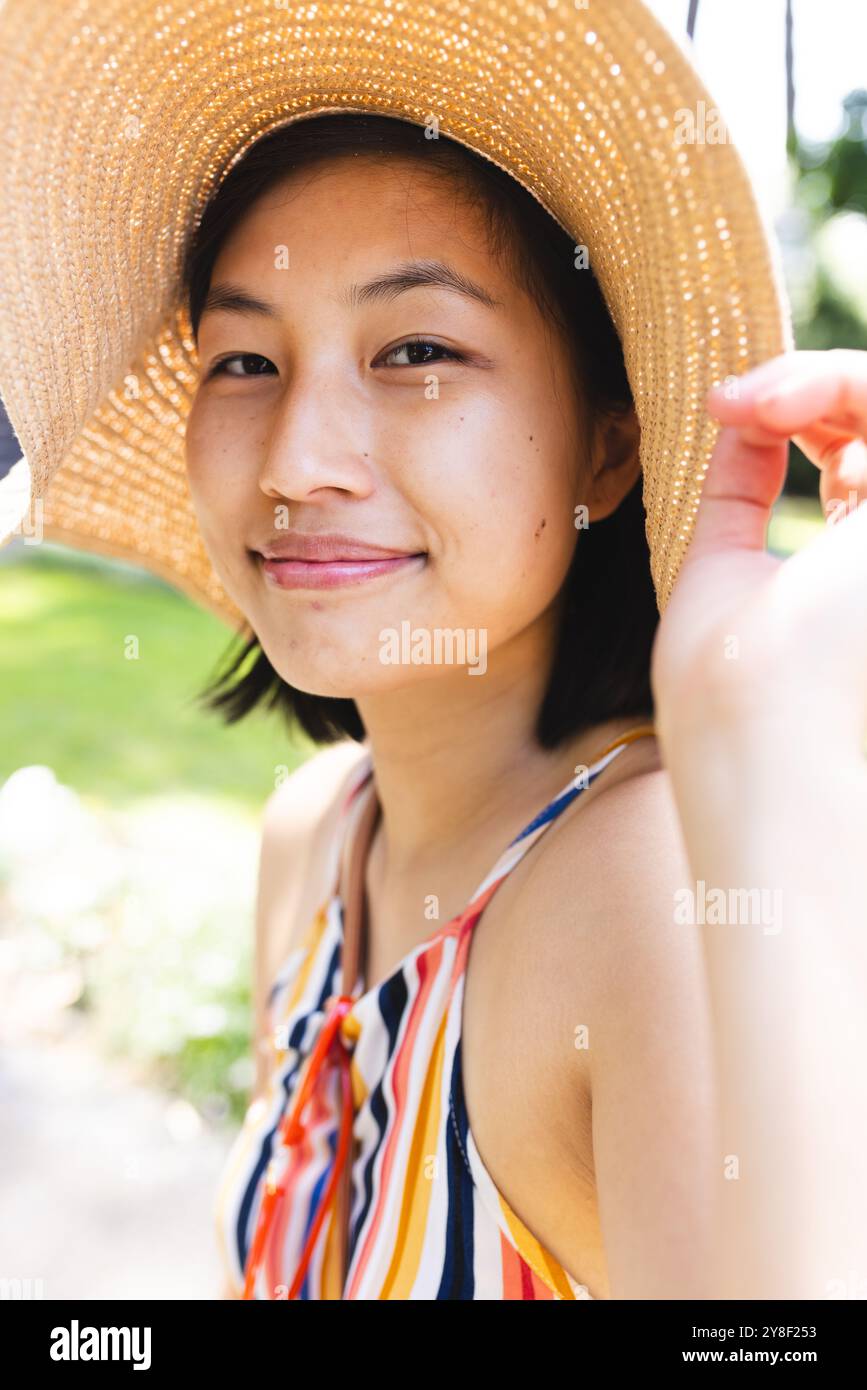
(427, 1220)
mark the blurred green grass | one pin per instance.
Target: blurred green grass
(112, 727)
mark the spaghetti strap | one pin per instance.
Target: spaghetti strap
(353, 795)
(584, 778)
(355, 822)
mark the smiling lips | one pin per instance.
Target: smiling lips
(296, 561)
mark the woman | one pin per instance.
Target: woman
(483, 482)
(603, 1104)
(480, 484)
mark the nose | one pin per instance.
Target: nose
(318, 439)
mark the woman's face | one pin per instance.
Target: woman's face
(464, 452)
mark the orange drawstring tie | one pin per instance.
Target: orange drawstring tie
(291, 1131)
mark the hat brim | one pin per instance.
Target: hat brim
(119, 125)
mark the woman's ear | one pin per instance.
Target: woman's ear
(614, 462)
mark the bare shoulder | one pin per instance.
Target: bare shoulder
(620, 838)
(606, 889)
(297, 822)
(626, 846)
(310, 789)
(630, 990)
(295, 831)
(594, 889)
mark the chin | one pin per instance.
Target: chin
(351, 681)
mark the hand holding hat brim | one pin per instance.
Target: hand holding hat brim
(746, 634)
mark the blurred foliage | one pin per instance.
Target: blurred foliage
(138, 921)
(843, 161)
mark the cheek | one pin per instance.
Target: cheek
(198, 451)
(507, 525)
(530, 540)
(213, 474)
(215, 467)
(195, 438)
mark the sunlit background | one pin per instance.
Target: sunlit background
(129, 817)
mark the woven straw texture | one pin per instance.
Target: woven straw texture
(120, 118)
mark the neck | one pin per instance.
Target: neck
(456, 761)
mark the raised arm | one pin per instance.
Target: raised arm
(760, 677)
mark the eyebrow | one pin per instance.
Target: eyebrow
(234, 299)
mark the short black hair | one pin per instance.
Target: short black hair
(608, 611)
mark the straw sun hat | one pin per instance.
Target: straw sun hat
(121, 117)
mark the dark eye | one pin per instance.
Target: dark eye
(219, 368)
(416, 347)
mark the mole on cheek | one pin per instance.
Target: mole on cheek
(539, 529)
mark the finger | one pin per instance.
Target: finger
(797, 391)
(843, 481)
(823, 444)
(743, 481)
(819, 400)
(733, 399)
